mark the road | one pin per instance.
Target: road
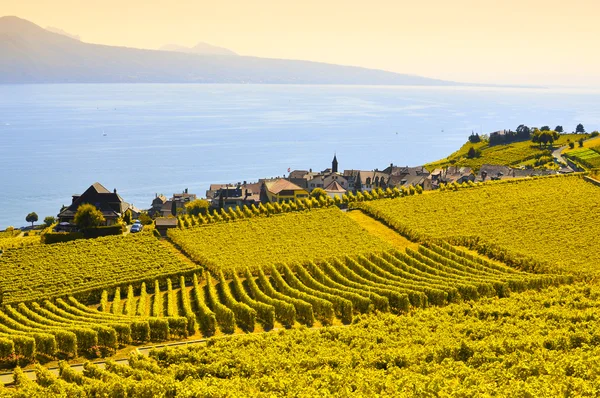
(557, 155)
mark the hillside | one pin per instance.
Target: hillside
(31, 54)
(515, 154)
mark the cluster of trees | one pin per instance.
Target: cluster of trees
(544, 137)
(524, 133)
(474, 138)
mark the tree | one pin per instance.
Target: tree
(31, 217)
(127, 217)
(595, 134)
(48, 221)
(545, 128)
(571, 145)
(472, 153)
(580, 142)
(87, 216)
(197, 207)
(559, 129)
(318, 193)
(523, 131)
(145, 219)
(580, 128)
(474, 138)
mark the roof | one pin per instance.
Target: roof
(109, 203)
(279, 185)
(399, 170)
(407, 179)
(373, 175)
(334, 187)
(351, 173)
(166, 222)
(298, 174)
(99, 188)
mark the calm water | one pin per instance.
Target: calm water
(165, 138)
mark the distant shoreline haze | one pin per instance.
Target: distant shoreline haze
(31, 54)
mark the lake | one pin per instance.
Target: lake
(144, 139)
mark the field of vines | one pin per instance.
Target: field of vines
(327, 293)
(552, 220)
(65, 328)
(45, 271)
(587, 157)
(535, 343)
(510, 154)
(260, 242)
(313, 294)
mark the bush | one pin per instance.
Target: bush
(66, 343)
(24, 348)
(178, 327)
(140, 331)
(7, 349)
(96, 232)
(45, 344)
(595, 134)
(159, 329)
(58, 237)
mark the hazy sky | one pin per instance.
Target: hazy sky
(501, 41)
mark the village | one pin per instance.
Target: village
(298, 184)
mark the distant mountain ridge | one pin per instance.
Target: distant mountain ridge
(31, 54)
(200, 48)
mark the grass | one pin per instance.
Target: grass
(553, 220)
(515, 154)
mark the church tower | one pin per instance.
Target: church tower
(334, 165)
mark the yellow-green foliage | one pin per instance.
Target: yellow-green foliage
(553, 220)
(11, 241)
(586, 157)
(45, 271)
(510, 154)
(535, 344)
(264, 241)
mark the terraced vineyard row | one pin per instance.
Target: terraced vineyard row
(536, 343)
(330, 291)
(66, 328)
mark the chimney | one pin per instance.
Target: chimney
(186, 190)
(156, 195)
(115, 190)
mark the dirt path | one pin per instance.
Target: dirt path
(381, 231)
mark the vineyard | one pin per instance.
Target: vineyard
(513, 154)
(551, 220)
(531, 344)
(323, 294)
(260, 242)
(44, 271)
(587, 157)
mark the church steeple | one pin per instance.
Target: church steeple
(334, 164)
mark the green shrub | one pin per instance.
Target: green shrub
(140, 331)
(159, 329)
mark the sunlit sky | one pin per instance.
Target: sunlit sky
(550, 42)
